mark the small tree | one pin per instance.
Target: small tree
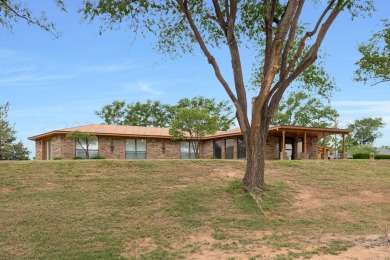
(193, 124)
(8, 149)
(83, 139)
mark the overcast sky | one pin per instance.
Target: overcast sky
(59, 83)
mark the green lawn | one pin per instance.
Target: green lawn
(172, 209)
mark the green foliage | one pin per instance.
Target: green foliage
(382, 156)
(374, 63)
(83, 139)
(77, 158)
(156, 114)
(193, 124)
(365, 130)
(367, 148)
(302, 109)
(9, 150)
(57, 158)
(98, 157)
(151, 113)
(13, 11)
(361, 156)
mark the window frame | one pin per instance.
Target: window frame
(227, 149)
(92, 152)
(191, 153)
(138, 153)
(238, 148)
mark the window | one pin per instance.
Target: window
(187, 150)
(241, 148)
(229, 148)
(217, 149)
(93, 149)
(135, 148)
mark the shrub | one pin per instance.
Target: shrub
(98, 157)
(57, 158)
(361, 156)
(382, 157)
(77, 158)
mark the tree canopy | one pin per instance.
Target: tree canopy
(374, 65)
(365, 131)
(9, 150)
(193, 124)
(13, 11)
(283, 48)
(156, 114)
(301, 109)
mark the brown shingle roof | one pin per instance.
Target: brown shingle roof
(156, 132)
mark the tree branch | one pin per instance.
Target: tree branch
(184, 7)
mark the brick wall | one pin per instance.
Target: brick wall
(112, 147)
(312, 148)
(272, 148)
(38, 150)
(162, 149)
(207, 149)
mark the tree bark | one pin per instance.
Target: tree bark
(253, 180)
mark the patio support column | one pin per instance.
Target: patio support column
(283, 154)
(343, 155)
(305, 155)
(324, 153)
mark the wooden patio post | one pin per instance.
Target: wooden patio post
(283, 150)
(305, 156)
(324, 153)
(344, 156)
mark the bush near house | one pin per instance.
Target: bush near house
(382, 157)
(361, 156)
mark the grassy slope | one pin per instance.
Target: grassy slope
(180, 209)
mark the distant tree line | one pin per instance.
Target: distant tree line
(9, 148)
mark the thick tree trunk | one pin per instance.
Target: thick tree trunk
(255, 169)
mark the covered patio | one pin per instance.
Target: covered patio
(295, 141)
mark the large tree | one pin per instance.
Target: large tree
(13, 11)
(9, 150)
(365, 131)
(374, 65)
(301, 109)
(270, 27)
(150, 113)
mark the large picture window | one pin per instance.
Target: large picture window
(241, 148)
(187, 150)
(135, 149)
(229, 149)
(93, 149)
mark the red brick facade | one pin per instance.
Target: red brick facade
(115, 148)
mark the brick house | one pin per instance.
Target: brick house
(136, 142)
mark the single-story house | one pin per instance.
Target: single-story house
(136, 142)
